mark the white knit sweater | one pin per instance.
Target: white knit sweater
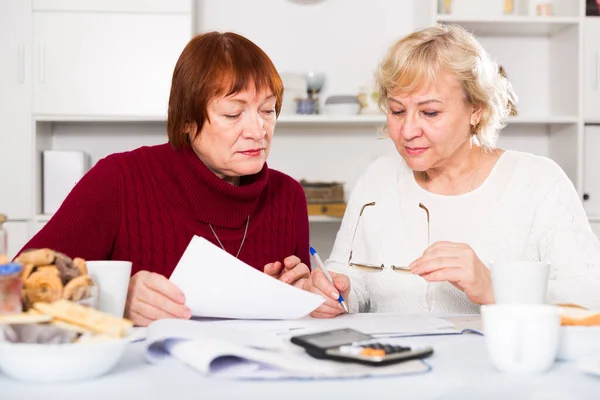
(527, 209)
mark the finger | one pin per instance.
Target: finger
(273, 269)
(434, 264)
(297, 272)
(162, 285)
(139, 320)
(317, 314)
(158, 300)
(150, 311)
(291, 262)
(321, 283)
(341, 281)
(451, 275)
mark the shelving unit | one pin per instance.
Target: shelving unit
(544, 57)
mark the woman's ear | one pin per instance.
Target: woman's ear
(191, 130)
(476, 112)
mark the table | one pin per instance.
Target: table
(461, 370)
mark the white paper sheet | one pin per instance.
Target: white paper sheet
(216, 284)
(377, 324)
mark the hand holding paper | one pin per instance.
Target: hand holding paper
(216, 284)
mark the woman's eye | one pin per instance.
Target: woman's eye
(399, 112)
(431, 113)
(269, 112)
(231, 116)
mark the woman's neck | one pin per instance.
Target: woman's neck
(457, 175)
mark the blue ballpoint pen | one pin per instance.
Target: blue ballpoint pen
(320, 264)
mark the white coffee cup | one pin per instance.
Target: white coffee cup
(112, 277)
(520, 282)
(521, 338)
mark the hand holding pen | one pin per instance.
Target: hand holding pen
(333, 287)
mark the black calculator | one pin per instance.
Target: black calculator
(348, 345)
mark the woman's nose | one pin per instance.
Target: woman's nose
(255, 127)
(410, 127)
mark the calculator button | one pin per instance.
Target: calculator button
(351, 350)
(371, 352)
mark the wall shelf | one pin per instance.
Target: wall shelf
(99, 118)
(512, 25)
(364, 120)
(323, 218)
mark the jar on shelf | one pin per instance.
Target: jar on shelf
(11, 285)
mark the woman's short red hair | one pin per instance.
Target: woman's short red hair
(215, 64)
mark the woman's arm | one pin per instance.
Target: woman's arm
(87, 222)
(566, 240)
(358, 299)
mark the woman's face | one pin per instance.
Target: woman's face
(431, 124)
(236, 138)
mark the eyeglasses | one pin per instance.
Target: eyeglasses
(374, 267)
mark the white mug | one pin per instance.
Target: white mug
(112, 278)
(521, 338)
(520, 282)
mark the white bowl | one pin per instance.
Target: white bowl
(60, 362)
(341, 109)
(578, 342)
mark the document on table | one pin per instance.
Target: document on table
(217, 284)
(376, 324)
(216, 350)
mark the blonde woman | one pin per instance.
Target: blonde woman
(421, 229)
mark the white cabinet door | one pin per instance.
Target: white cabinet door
(16, 154)
(591, 173)
(591, 76)
(18, 236)
(596, 228)
(106, 63)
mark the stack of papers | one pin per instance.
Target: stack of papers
(216, 284)
(227, 352)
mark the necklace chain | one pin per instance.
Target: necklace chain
(243, 239)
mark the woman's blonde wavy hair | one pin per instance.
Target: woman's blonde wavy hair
(423, 55)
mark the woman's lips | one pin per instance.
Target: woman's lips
(415, 151)
(252, 152)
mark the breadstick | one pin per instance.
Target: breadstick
(37, 257)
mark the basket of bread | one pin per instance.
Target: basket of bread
(49, 276)
(59, 336)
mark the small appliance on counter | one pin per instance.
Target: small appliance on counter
(61, 170)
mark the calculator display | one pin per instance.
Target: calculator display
(335, 338)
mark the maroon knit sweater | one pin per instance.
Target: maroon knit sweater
(146, 205)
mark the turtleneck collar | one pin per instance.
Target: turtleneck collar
(209, 198)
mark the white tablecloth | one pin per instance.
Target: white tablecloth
(461, 370)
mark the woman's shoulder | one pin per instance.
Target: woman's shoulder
(534, 166)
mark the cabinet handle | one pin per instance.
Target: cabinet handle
(595, 71)
(42, 63)
(21, 63)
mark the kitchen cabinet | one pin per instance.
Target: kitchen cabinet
(18, 236)
(107, 62)
(591, 75)
(16, 130)
(591, 182)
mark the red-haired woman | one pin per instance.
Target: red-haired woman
(211, 179)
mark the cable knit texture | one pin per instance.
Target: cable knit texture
(146, 205)
(526, 209)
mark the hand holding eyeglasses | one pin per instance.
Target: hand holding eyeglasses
(317, 283)
(458, 264)
(291, 271)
